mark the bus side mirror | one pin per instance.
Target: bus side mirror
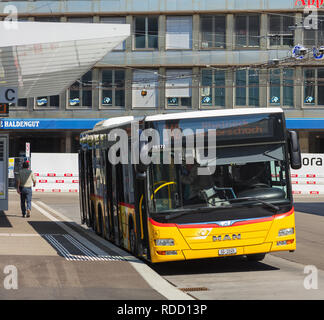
(294, 150)
(140, 170)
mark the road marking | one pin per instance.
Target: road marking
(20, 235)
(154, 280)
(60, 215)
(73, 233)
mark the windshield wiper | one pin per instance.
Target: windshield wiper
(206, 209)
(186, 211)
(270, 205)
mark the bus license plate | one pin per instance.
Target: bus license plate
(224, 252)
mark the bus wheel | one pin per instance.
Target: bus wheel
(256, 257)
(132, 241)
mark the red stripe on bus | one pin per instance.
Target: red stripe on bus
(158, 224)
(214, 225)
(126, 205)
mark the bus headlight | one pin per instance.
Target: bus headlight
(164, 242)
(286, 232)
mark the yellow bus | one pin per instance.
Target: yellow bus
(141, 189)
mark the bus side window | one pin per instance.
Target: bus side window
(125, 182)
(131, 184)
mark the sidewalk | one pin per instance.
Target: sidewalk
(54, 261)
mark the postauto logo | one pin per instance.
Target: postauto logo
(309, 3)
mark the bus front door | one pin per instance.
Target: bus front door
(114, 205)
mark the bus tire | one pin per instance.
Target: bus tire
(256, 257)
(132, 241)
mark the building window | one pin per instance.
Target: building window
(113, 88)
(47, 19)
(146, 32)
(22, 103)
(247, 87)
(280, 31)
(281, 89)
(213, 31)
(247, 30)
(115, 20)
(145, 89)
(80, 19)
(178, 32)
(80, 93)
(47, 101)
(212, 91)
(178, 88)
(313, 87)
(315, 36)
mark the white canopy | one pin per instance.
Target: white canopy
(44, 58)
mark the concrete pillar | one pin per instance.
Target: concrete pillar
(195, 31)
(161, 94)
(95, 91)
(195, 98)
(161, 33)
(264, 31)
(229, 81)
(128, 41)
(298, 86)
(230, 32)
(128, 89)
(263, 77)
(303, 141)
(299, 30)
(68, 142)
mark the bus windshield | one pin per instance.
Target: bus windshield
(253, 171)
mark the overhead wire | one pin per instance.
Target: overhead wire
(204, 16)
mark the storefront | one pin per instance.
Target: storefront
(310, 132)
(45, 135)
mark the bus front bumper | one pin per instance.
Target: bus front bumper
(189, 254)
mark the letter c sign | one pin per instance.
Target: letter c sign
(8, 95)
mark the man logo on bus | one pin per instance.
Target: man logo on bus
(227, 237)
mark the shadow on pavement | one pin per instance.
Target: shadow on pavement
(4, 222)
(46, 227)
(215, 265)
(316, 208)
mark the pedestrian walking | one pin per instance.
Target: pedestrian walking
(25, 181)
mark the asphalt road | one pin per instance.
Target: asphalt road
(279, 276)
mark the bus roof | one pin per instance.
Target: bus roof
(211, 113)
(113, 122)
(119, 121)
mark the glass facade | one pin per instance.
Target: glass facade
(80, 93)
(213, 31)
(113, 88)
(213, 88)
